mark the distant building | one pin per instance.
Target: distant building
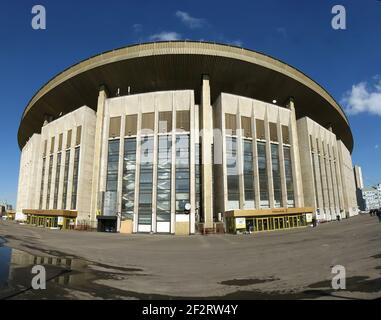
(371, 198)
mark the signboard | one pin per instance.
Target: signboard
(60, 221)
(240, 223)
(309, 217)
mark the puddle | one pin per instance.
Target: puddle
(66, 277)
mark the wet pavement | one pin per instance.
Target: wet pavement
(272, 266)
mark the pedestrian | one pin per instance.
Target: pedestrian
(379, 215)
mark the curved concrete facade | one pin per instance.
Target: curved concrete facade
(179, 65)
(184, 137)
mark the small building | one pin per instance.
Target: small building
(371, 198)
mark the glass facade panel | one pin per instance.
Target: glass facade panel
(276, 175)
(164, 171)
(145, 185)
(129, 175)
(66, 180)
(182, 172)
(42, 183)
(75, 180)
(112, 166)
(248, 173)
(232, 172)
(289, 178)
(57, 181)
(262, 172)
(49, 182)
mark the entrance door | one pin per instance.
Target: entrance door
(260, 224)
(265, 224)
(281, 223)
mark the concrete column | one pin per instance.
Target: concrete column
(98, 153)
(315, 159)
(53, 178)
(324, 181)
(120, 172)
(330, 184)
(334, 182)
(295, 156)
(173, 169)
(281, 165)
(240, 159)
(255, 160)
(269, 163)
(192, 164)
(206, 113)
(137, 173)
(154, 165)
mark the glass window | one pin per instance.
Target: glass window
(262, 171)
(165, 122)
(182, 172)
(66, 179)
(183, 121)
(79, 136)
(248, 172)
(114, 128)
(276, 175)
(49, 181)
(57, 181)
(129, 175)
(112, 166)
(289, 178)
(42, 182)
(164, 172)
(75, 180)
(230, 124)
(145, 185)
(246, 127)
(273, 132)
(232, 172)
(260, 129)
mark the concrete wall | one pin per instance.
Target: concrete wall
(325, 162)
(26, 194)
(347, 176)
(84, 117)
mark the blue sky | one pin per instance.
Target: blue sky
(347, 63)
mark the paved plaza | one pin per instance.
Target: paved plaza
(291, 264)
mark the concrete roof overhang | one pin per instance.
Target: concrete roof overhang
(178, 65)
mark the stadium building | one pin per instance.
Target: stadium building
(184, 137)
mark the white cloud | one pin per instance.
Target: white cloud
(189, 21)
(364, 98)
(165, 36)
(237, 43)
(137, 27)
(376, 146)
